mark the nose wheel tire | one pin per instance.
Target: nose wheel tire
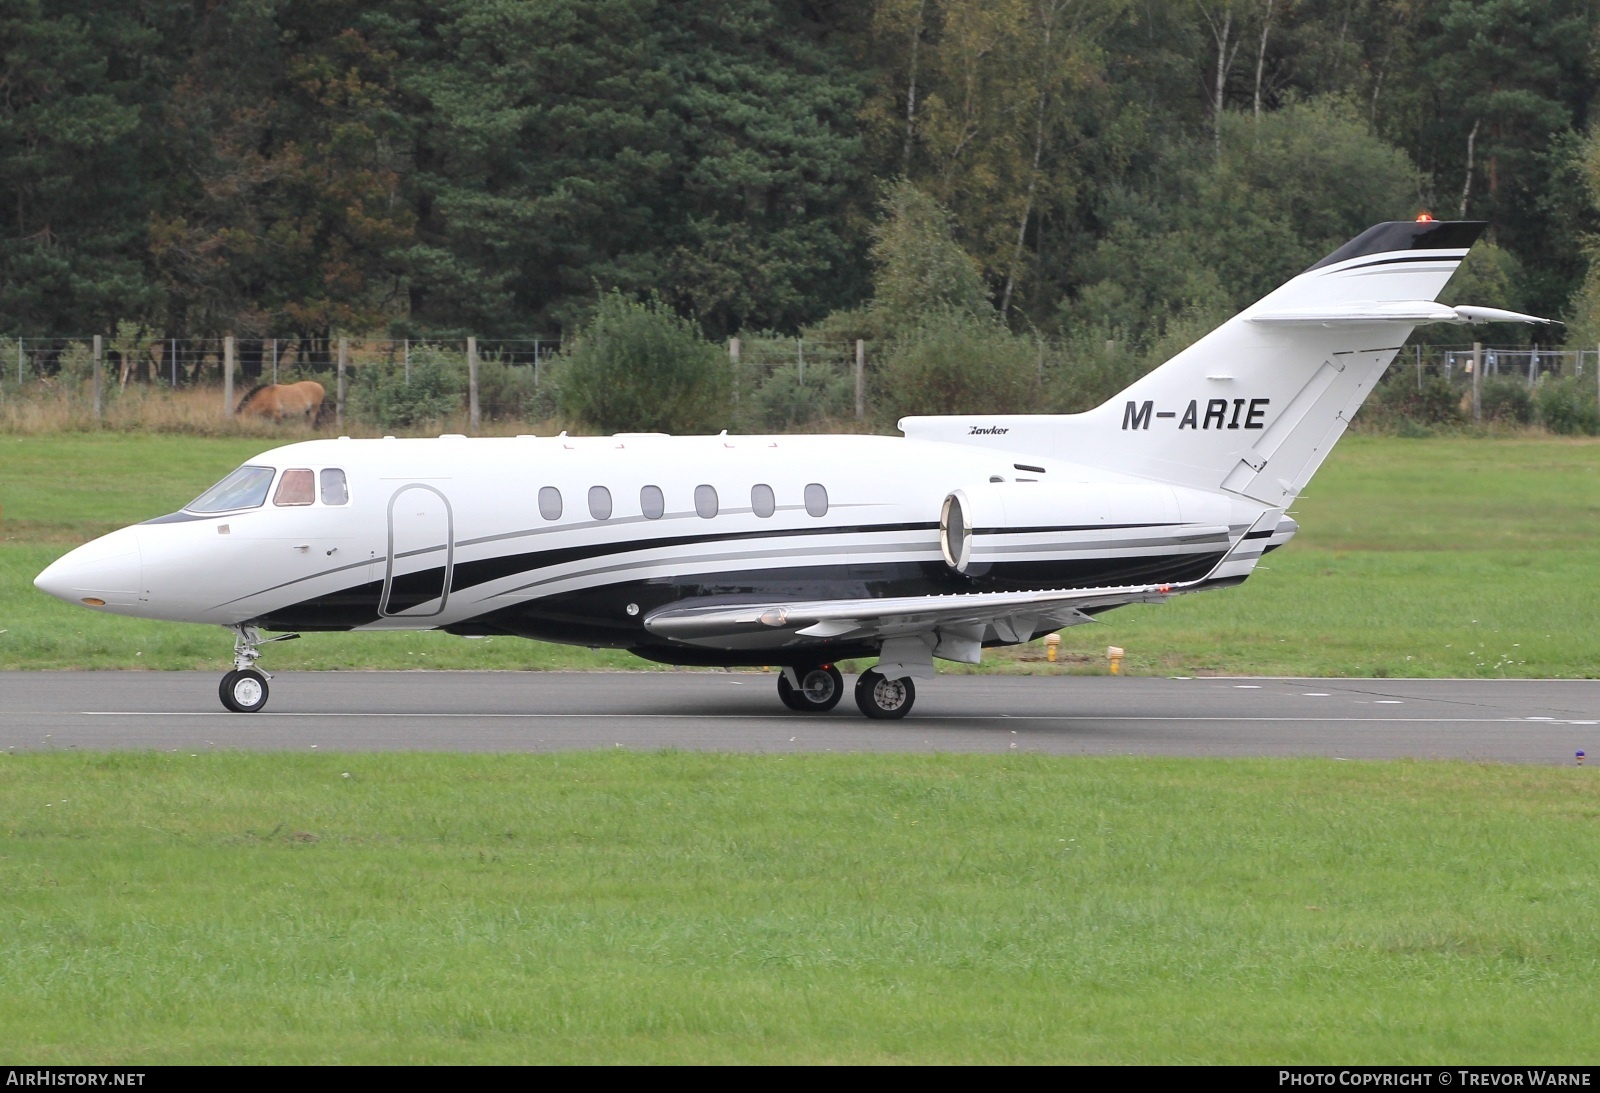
(819, 691)
(243, 691)
(884, 699)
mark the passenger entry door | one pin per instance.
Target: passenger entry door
(416, 580)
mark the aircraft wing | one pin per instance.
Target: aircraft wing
(1016, 615)
(952, 627)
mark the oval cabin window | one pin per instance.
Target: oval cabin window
(705, 501)
(652, 503)
(762, 501)
(599, 502)
(550, 503)
(816, 499)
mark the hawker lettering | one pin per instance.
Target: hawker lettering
(1136, 416)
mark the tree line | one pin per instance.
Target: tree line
(1098, 171)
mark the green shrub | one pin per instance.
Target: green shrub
(920, 268)
(506, 392)
(639, 367)
(1506, 400)
(780, 401)
(1401, 405)
(1568, 406)
(1087, 369)
(954, 363)
(382, 395)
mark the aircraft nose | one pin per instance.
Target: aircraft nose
(106, 572)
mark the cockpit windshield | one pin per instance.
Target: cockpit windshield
(245, 488)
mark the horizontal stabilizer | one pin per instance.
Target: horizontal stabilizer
(1408, 312)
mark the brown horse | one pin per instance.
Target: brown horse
(280, 400)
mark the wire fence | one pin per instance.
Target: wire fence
(178, 362)
(777, 382)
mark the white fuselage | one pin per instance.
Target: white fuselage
(464, 534)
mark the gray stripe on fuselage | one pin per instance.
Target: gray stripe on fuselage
(810, 553)
(800, 555)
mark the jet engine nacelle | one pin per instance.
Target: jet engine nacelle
(971, 515)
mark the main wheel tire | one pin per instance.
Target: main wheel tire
(788, 695)
(819, 691)
(884, 699)
(243, 691)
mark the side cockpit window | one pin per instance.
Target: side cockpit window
(245, 488)
(335, 490)
(296, 487)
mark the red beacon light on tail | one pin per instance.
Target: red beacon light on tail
(1424, 218)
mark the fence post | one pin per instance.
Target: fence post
(174, 364)
(227, 376)
(19, 364)
(472, 384)
(1477, 383)
(1419, 366)
(274, 360)
(408, 362)
(338, 399)
(99, 361)
(733, 361)
(861, 376)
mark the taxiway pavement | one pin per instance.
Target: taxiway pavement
(1521, 721)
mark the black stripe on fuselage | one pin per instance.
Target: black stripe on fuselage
(475, 572)
(598, 615)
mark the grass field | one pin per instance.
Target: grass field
(669, 907)
(1435, 557)
(169, 908)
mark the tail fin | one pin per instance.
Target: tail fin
(1254, 407)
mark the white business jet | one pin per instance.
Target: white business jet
(800, 551)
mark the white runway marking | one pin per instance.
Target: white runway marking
(789, 717)
(538, 712)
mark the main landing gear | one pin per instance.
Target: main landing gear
(817, 689)
(244, 690)
(884, 699)
(811, 689)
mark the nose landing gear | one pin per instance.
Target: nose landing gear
(244, 690)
